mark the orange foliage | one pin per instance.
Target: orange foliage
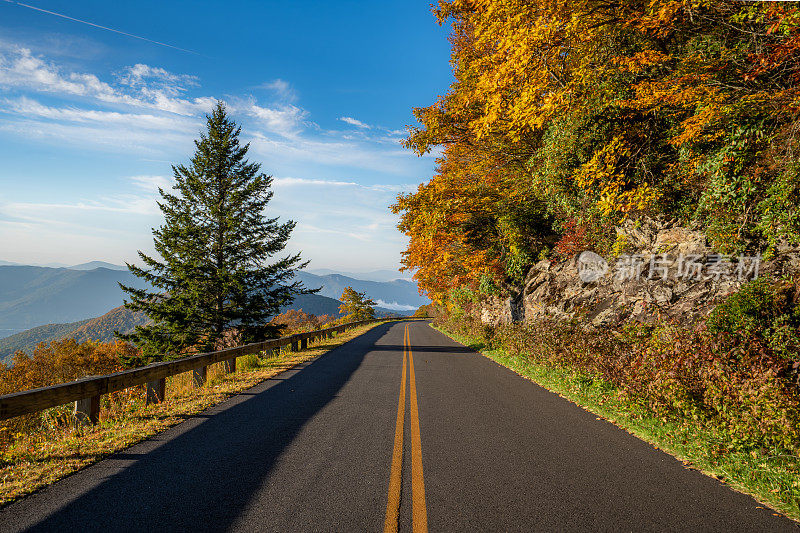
(296, 321)
(60, 362)
(587, 112)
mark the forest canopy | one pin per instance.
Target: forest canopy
(568, 117)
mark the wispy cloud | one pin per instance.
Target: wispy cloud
(31, 108)
(152, 183)
(141, 75)
(379, 187)
(281, 88)
(20, 68)
(355, 122)
(291, 182)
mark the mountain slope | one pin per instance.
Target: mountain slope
(91, 265)
(31, 296)
(372, 275)
(29, 339)
(401, 292)
(120, 319)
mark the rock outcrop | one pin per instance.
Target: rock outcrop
(665, 272)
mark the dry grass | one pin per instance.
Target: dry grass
(60, 448)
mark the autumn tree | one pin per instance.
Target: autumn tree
(356, 305)
(297, 320)
(566, 118)
(216, 273)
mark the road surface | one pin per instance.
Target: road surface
(376, 436)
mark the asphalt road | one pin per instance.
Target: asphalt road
(340, 445)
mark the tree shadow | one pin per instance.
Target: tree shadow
(203, 478)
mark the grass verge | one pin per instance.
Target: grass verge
(772, 479)
(40, 458)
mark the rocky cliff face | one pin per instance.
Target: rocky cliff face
(666, 271)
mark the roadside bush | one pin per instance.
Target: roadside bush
(763, 308)
(298, 321)
(744, 390)
(58, 362)
(425, 310)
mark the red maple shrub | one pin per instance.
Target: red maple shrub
(743, 390)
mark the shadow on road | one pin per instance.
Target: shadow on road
(204, 478)
(422, 349)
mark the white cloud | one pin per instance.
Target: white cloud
(281, 88)
(100, 136)
(333, 151)
(140, 75)
(355, 122)
(31, 108)
(285, 120)
(394, 306)
(378, 187)
(289, 182)
(20, 68)
(149, 87)
(152, 183)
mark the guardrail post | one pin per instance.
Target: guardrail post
(156, 391)
(295, 345)
(303, 343)
(199, 376)
(87, 411)
(229, 366)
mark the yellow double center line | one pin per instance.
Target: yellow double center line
(419, 514)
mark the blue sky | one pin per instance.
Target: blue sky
(91, 120)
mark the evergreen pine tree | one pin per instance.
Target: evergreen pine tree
(214, 275)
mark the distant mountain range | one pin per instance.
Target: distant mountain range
(120, 319)
(31, 296)
(372, 275)
(83, 266)
(41, 303)
(91, 265)
(398, 295)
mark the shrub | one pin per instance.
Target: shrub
(763, 308)
(58, 362)
(743, 390)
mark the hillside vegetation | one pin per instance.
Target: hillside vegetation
(29, 339)
(31, 296)
(101, 329)
(567, 117)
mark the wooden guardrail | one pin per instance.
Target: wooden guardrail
(86, 392)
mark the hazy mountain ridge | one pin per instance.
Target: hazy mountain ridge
(32, 296)
(91, 265)
(372, 275)
(399, 291)
(53, 303)
(123, 320)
